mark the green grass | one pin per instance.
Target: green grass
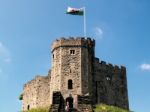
(38, 110)
(106, 108)
(99, 108)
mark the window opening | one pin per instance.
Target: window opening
(108, 78)
(28, 107)
(72, 51)
(70, 70)
(70, 86)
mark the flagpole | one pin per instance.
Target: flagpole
(84, 22)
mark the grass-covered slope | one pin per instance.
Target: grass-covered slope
(99, 108)
(38, 110)
(106, 108)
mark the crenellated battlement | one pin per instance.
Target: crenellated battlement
(71, 41)
(109, 65)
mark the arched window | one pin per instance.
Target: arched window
(70, 86)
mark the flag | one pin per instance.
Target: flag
(75, 11)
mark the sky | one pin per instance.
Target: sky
(121, 29)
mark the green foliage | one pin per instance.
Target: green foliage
(21, 97)
(106, 108)
(38, 110)
(99, 108)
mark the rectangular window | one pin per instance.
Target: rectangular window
(72, 51)
(70, 86)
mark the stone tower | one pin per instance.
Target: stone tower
(71, 67)
(78, 79)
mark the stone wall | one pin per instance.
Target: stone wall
(71, 70)
(110, 84)
(84, 104)
(43, 92)
(78, 41)
(36, 93)
(58, 104)
(29, 95)
(55, 72)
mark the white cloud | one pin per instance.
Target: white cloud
(4, 54)
(145, 67)
(98, 32)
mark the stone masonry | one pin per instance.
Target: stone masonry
(77, 75)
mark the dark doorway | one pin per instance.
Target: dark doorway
(28, 107)
(69, 102)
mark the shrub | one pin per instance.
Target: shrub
(21, 97)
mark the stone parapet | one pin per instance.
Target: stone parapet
(109, 65)
(72, 42)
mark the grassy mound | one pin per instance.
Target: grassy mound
(106, 108)
(99, 108)
(38, 110)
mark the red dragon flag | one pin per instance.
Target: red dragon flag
(75, 11)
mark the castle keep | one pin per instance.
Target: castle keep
(78, 79)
